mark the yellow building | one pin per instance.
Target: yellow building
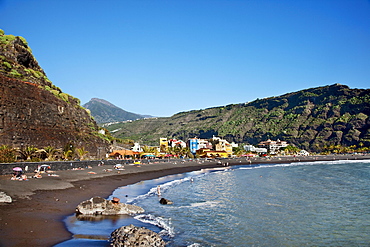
(163, 144)
(207, 153)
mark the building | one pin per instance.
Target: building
(163, 144)
(251, 148)
(176, 143)
(193, 145)
(222, 145)
(137, 147)
(207, 153)
(273, 146)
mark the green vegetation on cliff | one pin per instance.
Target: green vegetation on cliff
(36, 112)
(310, 119)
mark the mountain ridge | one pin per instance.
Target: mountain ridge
(105, 112)
(310, 119)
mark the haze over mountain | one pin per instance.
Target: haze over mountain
(310, 119)
(105, 112)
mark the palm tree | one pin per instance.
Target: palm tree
(28, 152)
(290, 149)
(49, 152)
(67, 154)
(238, 151)
(81, 152)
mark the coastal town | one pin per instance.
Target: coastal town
(184, 123)
(216, 147)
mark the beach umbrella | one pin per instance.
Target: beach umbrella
(17, 169)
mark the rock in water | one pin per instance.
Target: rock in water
(165, 201)
(131, 235)
(100, 206)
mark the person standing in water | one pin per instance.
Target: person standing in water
(159, 190)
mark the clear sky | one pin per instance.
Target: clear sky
(162, 57)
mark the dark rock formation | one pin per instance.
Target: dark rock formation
(34, 112)
(135, 236)
(165, 201)
(101, 206)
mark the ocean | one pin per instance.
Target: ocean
(297, 204)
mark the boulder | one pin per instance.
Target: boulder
(5, 198)
(165, 201)
(100, 206)
(135, 236)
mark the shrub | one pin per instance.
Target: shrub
(23, 40)
(64, 97)
(15, 73)
(7, 154)
(7, 65)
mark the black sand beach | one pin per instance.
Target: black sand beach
(35, 217)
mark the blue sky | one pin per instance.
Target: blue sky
(162, 57)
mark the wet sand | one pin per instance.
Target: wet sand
(35, 217)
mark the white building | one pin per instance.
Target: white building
(137, 147)
(251, 148)
(273, 146)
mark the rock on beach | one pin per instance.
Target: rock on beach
(100, 206)
(135, 236)
(5, 198)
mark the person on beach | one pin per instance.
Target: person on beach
(159, 190)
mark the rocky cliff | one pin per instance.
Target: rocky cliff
(310, 119)
(33, 111)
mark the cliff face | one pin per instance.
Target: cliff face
(310, 119)
(35, 112)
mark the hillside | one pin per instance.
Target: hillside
(309, 119)
(105, 112)
(34, 112)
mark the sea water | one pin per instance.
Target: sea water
(297, 204)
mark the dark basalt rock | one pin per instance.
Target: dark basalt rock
(165, 201)
(135, 236)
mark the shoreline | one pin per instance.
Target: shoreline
(35, 217)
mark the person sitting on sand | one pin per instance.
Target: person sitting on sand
(37, 175)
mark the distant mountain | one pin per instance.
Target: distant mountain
(105, 112)
(310, 119)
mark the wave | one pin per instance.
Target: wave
(157, 221)
(165, 186)
(303, 163)
(208, 204)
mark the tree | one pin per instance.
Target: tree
(7, 154)
(68, 151)
(28, 152)
(67, 154)
(49, 152)
(290, 149)
(81, 152)
(238, 151)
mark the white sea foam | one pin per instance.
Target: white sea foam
(164, 187)
(158, 221)
(194, 245)
(306, 163)
(208, 204)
